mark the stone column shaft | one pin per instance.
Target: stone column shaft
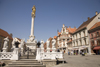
(32, 27)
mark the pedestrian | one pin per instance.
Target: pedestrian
(71, 52)
(83, 53)
(80, 52)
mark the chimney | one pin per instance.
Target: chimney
(88, 18)
(96, 12)
(69, 27)
(75, 27)
(11, 34)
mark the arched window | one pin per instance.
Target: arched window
(97, 34)
(92, 43)
(80, 34)
(98, 42)
(91, 35)
(84, 33)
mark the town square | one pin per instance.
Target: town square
(49, 33)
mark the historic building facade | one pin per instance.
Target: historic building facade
(94, 33)
(80, 38)
(64, 39)
(4, 34)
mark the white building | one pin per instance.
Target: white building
(64, 37)
(80, 38)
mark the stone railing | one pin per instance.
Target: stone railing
(48, 55)
(51, 55)
(9, 55)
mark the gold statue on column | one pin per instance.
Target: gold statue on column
(33, 10)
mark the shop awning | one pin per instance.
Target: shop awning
(96, 48)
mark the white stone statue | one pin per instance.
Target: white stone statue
(6, 42)
(22, 43)
(13, 43)
(48, 42)
(53, 43)
(42, 42)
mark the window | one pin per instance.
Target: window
(98, 18)
(91, 35)
(97, 34)
(76, 36)
(67, 39)
(98, 42)
(94, 34)
(80, 35)
(80, 42)
(85, 41)
(63, 39)
(77, 43)
(92, 43)
(0, 41)
(84, 33)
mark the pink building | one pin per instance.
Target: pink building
(94, 33)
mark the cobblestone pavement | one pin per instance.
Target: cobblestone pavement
(80, 61)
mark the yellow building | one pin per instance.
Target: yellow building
(4, 34)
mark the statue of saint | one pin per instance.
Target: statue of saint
(53, 43)
(42, 42)
(48, 42)
(5, 42)
(22, 43)
(33, 10)
(13, 43)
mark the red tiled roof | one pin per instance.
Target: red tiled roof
(71, 30)
(5, 34)
(95, 25)
(18, 39)
(50, 38)
(50, 45)
(83, 25)
(59, 33)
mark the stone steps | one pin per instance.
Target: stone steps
(30, 57)
(26, 66)
(26, 62)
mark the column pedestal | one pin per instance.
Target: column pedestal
(4, 49)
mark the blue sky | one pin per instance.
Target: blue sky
(15, 16)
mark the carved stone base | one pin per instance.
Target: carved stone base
(32, 47)
(4, 49)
